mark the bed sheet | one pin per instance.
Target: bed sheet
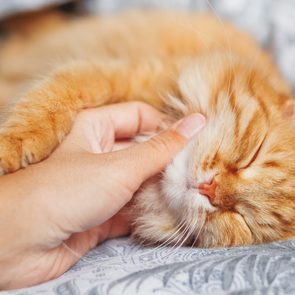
(120, 266)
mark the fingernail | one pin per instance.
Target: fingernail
(190, 125)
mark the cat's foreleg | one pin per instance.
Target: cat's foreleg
(40, 120)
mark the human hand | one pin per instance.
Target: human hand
(67, 204)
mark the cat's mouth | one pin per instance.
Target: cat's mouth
(188, 198)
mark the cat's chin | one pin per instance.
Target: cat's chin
(161, 214)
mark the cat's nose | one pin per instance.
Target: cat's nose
(208, 189)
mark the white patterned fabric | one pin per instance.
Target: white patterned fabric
(121, 267)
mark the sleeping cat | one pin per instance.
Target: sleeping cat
(232, 185)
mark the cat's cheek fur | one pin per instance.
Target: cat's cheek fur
(225, 228)
(152, 222)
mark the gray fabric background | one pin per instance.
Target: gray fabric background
(13, 7)
(121, 267)
(272, 22)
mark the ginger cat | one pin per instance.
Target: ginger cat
(233, 185)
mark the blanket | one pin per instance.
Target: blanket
(121, 267)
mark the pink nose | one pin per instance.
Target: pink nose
(208, 189)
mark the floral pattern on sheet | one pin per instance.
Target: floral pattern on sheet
(121, 267)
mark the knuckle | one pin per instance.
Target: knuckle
(84, 114)
(138, 104)
(161, 143)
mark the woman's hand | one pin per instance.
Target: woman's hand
(53, 212)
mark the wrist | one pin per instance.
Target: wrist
(21, 228)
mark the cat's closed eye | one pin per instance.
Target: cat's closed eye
(255, 155)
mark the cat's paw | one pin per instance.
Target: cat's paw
(17, 153)
(10, 154)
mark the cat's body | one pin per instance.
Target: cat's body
(183, 63)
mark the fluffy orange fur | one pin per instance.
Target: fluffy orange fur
(180, 63)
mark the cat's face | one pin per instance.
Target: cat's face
(235, 183)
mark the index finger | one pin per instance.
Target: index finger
(131, 118)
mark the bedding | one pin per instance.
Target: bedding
(120, 267)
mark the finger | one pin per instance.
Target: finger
(149, 158)
(79, 244)
(129, 119)
(120, 225)
(95, 130)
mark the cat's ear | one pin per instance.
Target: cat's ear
(289, 110)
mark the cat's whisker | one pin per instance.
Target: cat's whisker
(177, 238)
(187, 233)
(182, 236)
(200, 227)
(172, 237)
(195, 221)
(167, 242)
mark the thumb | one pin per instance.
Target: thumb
(141, 161)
